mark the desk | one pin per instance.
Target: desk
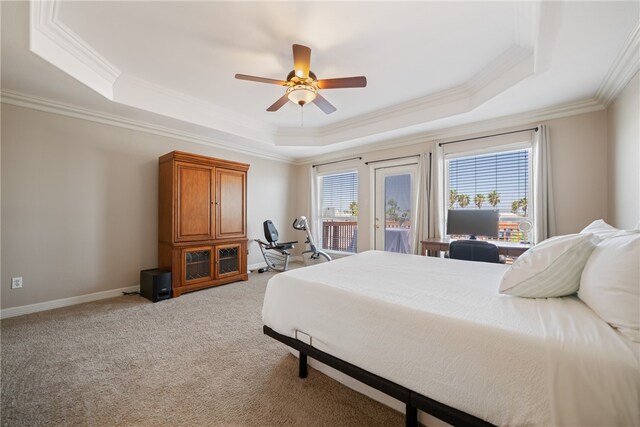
(432, 247)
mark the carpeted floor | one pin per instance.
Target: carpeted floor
(197, 360)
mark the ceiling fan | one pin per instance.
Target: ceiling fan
(303, 85)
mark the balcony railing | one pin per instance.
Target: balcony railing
(339, 235)
(509, 232)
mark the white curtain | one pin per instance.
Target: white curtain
(314, 205)
(420, 223)
(543, 207)
(435, 213)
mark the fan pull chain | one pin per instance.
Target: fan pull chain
(301, 116)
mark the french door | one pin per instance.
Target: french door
(395, 207)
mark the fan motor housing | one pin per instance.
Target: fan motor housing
(292, 74)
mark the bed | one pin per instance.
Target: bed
(435, 334)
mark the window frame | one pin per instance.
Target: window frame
(320, 218)
(488, 150)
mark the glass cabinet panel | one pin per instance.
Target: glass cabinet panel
(228, 260)
(197, 264)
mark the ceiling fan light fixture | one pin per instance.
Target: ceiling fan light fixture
(301, 94)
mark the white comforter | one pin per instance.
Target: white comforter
(439, 327)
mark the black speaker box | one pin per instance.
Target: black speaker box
(155, 285)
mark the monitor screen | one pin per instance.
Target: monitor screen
(473, 222)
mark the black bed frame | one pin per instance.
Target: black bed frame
(411, 399)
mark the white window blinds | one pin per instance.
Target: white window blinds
(500, 179)
(339, 195)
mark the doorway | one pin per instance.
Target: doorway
(394, 208)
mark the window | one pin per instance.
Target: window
(499, 180)
(339, 211)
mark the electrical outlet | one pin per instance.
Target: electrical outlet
(16, 282)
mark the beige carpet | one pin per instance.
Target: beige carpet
(200, 359)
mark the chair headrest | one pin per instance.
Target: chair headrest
(270, 231)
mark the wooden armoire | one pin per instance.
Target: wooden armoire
(202, 229)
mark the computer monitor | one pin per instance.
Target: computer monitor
(473, 222)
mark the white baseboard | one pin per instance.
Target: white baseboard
(64, 302)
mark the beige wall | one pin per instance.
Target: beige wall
(579, 167)
(79, 203)
(79, 199)
(623, 120)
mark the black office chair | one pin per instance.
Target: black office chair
(475, 250)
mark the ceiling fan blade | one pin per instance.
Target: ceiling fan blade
(323, 104)
(301, 60)
(343, 82)
(279, 103)
(260, 79)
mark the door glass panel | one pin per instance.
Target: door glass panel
(198, 264)
(228, 260)
(398, 202)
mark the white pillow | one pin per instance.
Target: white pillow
(601, 229)
(549, 269)
(610, 282)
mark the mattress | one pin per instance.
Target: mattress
(440, 328)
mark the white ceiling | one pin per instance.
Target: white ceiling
(429, 65)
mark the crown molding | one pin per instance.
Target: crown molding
(529, 118)
(140, 93)
(47, 105)
(490, 125)
(625, 66)
(56, 43)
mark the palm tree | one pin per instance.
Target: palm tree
(453, 197)
(479, 200)
(494, 198)
(524, 204)
(515, 206)
(392, 212)
(353, 207)
(463, 200)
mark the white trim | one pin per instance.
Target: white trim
(65, 302)
(55, 42)
(55, 107)
(490, 125)
(147, 96)
(625, 66)
(533, 117)
(59, 45)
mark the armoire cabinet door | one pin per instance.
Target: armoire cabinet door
(197, 265)
(194, 194)
(230, 203)
(228, 260)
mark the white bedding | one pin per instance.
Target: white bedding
(440, 328)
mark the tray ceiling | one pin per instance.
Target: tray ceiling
(428, 64)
